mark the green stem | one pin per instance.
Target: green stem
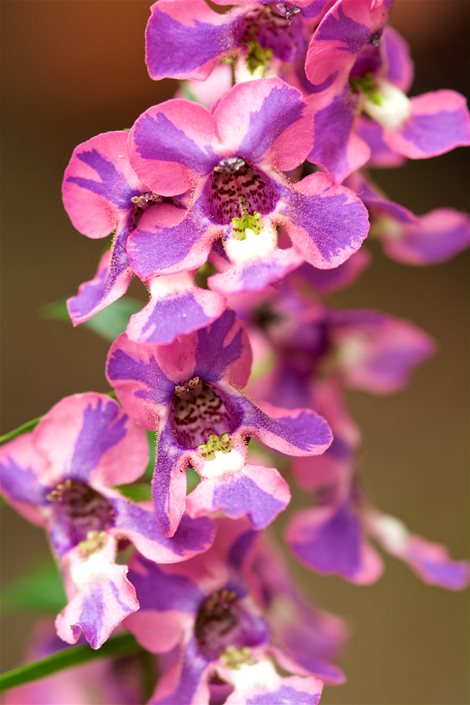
(27, 426)
(121, 645)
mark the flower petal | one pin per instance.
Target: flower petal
(139, 525)
(20, 469)
(110, 282)
(398, 62)
(257, 492)
(99, 183)
(430, 561)
(265, 120)
(187, 40)
(89, 438)
(439, 122)
(171, 146)
(177, 306)
(327, 223)
(294, 432)
(331, 541)
(434, 237)
(336, 146)
(155, 248)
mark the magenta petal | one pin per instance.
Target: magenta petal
(257, 492)
(186, 682)
(256, 275)
(398, 62)
(110, 282)
(97, 612)
(169, 482)
(336, 146)
(139, 525)
(439, 122)
(89, 438)
(186, 40)
(294, 690)
(331, 541)
(376, 352)
(99, 183)
(434, 237)
(346, 29)
(171, 146)
(21, 467)
(155, 249)
(265, 120)
(294, 432)
(381, 155)
(177, 306)
(327, 222)
(326, 281)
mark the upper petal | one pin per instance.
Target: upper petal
(326, 222)
(186, 40)
(89, 437)
(99, 183)
(265, 120)
(171, 146)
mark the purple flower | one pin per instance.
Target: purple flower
(60, 477)
(427, 239)
(230, 160)
(208, 616)
(332, 537)
(356, 64)
(190, 393)
(187, 39)
(361, 349)
(103, 195)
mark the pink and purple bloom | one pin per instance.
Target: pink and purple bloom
(207, 615)
(187, 38)
(307, 342)
(60, 477)
(419, 240)
(190, 393)
(103, 195)
(331, 538)
(230, 162)
(355, 64)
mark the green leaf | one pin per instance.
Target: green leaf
(41, 590)
(121, 645)
(108, 324)
(138, 492)
(24, 428)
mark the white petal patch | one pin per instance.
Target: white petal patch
(393, 107)
(255, 246)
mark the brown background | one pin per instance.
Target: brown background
(75, 68)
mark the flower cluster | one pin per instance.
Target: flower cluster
(239, 204)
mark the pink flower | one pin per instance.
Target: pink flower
(60, 477)
(190, 393)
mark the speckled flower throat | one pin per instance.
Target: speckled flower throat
(81, 508)
(275, 28)
(236, 189)
(198, 412)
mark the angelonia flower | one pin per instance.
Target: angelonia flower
(332, 536)
(190, 392)
(212, 611)
(365, 79)
(239, 204)
(188, 39)
(230, 160)
(61, 477)
(103, 195)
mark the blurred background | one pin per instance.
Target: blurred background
(74, 68)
